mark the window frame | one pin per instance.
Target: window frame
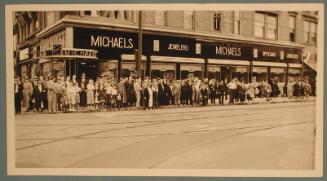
(266, 26)
(217, 20)
(292, 29)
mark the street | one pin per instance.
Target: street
(260, 136)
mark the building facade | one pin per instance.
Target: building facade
(252, 45)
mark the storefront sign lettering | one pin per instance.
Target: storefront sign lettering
(70, 52)
(178, 47)
(269, 54)
(233, 51)
(292, 56)
(24, 54)
(111, 42)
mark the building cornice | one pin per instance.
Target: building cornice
(100, 23)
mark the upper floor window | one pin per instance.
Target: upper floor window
(237, 23)
(292, 20)
(266, 26)
(188, 19)
(259, 29)
(217, 21)
(36, 23)
(272, 27)
(50, 17)
(159, 18)
(310, 32)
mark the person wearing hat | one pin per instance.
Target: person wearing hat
(155, 93)
(18, 90)
(27, 93)
(52, 99)
(137, 90)
(82, 83)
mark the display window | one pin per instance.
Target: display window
(214, 72)
(128, 68)
(196, 70)
(278, 74)
(261, 73)
(108, 68)
(160, 70)
(240, 72)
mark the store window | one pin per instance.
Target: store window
(294, 74)
(259, 29)
(108, 68)
(159, 18)
(240, 72)
(214, 72)
(277, 73)
(217, 21)
(195, 70)
(237, 22)
(159, 70)
(188, 19)
(128, 68)
(260, 73)
(292, 20)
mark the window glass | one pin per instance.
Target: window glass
(217, 21)
(259, 25)
(292, 22)
(292, 28)
(313, 28)
(188, 19)
(271, 27)
(160, 18)
(306, 26)
(50, 18)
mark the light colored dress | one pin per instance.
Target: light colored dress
(90, 94)
(290, 89)
(150, 97)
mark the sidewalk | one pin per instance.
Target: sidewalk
(279, 100)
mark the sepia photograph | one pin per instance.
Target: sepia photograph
(165, 89)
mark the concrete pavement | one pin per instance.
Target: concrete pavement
(261, 136)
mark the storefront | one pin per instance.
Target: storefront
(109, 52)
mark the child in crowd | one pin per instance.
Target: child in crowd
(71, 96)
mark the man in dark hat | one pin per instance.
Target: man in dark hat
(82, 83)
(18, 90)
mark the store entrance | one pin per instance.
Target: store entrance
(89, 68)
(225, 74)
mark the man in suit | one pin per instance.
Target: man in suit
(52, 99)
(18, 89)
(82, 85)
(177, 92)
(38, 96)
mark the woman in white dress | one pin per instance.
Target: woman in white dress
(90, 94)
(150, 90)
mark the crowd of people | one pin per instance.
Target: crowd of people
(105, 93)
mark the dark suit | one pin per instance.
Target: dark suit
(18, 90)
(82, 94)
(146, 97)
(39, 96)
